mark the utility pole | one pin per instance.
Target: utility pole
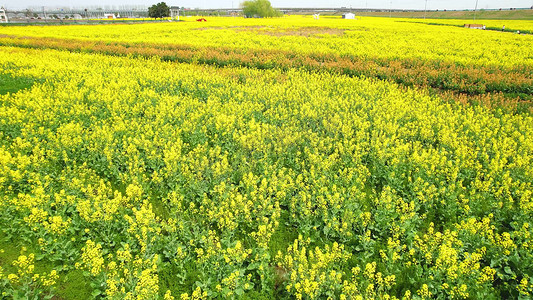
(44, 15)
(475, 9)
(390, 9)
(425, 9)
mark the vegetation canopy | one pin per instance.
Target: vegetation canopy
(159, 10)
(259, 8)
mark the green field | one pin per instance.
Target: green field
(523, 14)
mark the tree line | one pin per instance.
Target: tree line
(250, 9)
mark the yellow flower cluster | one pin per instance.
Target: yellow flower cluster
(309, 275)
(197, 294)
(126, 276)
(369, 284)
(91, 256)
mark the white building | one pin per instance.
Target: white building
(348, 16)
(175, 13)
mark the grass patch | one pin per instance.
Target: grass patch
(283, 236)
(70, 285)
(74, 285)
(10, 84)
(10, 251)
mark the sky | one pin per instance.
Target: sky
(400, 4)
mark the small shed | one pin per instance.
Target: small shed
(474, 26)
(175, 12)
(348, 16)
(110, 16)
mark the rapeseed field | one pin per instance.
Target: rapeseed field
(255, 159)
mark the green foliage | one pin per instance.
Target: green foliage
(259, 8)
(10, 84)
(159, 10)
(71, 284)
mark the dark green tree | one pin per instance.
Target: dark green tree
(159, 10)
(259, 8)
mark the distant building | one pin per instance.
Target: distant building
(110, 16)
(348, 16)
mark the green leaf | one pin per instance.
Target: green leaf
(96, 293)
(508, 270)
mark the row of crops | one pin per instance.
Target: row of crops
(125, 174)
(488, 67)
